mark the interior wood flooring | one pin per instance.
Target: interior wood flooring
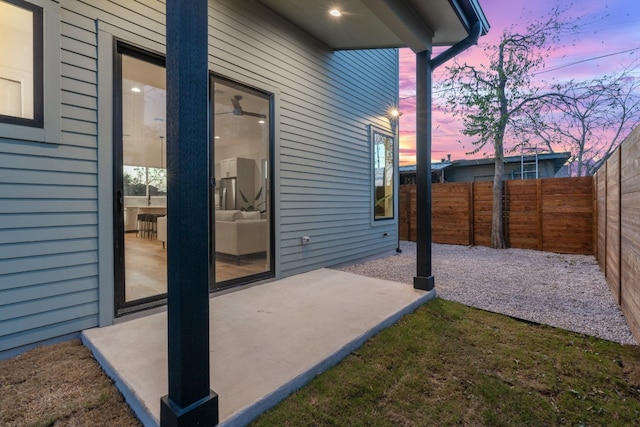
(146, 267)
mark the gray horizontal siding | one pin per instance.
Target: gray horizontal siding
(48, 208)
(49, 234)
(44, 277)
(63, 313)
(34, 307)
(50, 177)
(49, 193)
(40, 220)
(327, 101)
(16, 296)
(32, 249)
(50, 324)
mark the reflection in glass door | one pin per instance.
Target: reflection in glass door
(140, 177)
(242, 199)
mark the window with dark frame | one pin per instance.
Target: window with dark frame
(21, 76)
(383, 175)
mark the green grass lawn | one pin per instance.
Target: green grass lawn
(448, 364)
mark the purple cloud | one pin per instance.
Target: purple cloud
(609, 28)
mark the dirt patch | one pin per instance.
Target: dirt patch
(60, 384)
(632, 373)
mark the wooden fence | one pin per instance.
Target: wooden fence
(618, 219)
(555, 214)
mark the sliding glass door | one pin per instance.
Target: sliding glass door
(241, 152)
(242, 199)
(140, 177)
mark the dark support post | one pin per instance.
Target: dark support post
(424, 278)
(190, 401)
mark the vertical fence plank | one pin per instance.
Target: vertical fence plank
(470, 205)
(450, 211)
(602, 217)
(539, 213)
(404, 214)
(591, 215)
(553, 215)
(413, 210)
(613, 225)
(521, 210)
(594, 219)
(629, 257)
(567, 215)
(482, 213)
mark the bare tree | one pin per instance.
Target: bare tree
(491, 98)
(590, 121)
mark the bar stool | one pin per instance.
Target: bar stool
(154, 225)
(142, 224)
(150, 220)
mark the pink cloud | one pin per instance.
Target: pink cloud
(612, 27)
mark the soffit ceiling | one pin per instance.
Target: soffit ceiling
(365, 24)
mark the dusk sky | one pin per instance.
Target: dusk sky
(610, 41)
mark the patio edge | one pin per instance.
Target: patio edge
(247, 414)
(131, 398)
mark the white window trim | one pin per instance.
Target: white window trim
(50, 132)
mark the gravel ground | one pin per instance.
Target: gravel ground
(565, 291)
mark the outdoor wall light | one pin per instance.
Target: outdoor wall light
(393, 114)
(335, 12)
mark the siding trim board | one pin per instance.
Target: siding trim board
(106, 273)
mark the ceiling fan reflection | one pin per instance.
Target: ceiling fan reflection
(238, 111)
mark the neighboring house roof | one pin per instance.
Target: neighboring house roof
(440, 166)
(558, 159)
(366, 24)
(410, 168)
(435, 166)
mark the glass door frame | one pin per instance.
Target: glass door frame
(270, 273)
(121, 305)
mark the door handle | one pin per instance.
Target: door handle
(119, 201)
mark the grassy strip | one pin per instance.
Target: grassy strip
(450, 364)
(60, 385)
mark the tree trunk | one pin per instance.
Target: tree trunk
(497, 220)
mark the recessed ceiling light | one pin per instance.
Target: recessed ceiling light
(216, 137)
(335, 12)
(261, 122)
(136, 89)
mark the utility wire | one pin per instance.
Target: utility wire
(586, 60)
(558, 67)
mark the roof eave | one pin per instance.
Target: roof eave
(469, 12)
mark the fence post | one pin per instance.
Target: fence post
(605, 213)
(412, 215)
(594, 221)
(619, 150)
(539, 214)
(472, 232)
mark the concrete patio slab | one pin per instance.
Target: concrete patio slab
(266, 340)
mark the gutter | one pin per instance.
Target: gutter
(424, 279)
(458, 48)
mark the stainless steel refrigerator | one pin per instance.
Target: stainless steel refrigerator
(228, 193)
